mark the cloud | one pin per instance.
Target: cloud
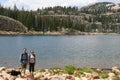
(116, 1)
(35, 4)
(11, 3)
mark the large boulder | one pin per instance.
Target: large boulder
(21, 79)
(116, 69)
(58, 78)
(1, 78)
(9, 24)
(95, 75)
(2, 68)
(37, 75)
(7, 76)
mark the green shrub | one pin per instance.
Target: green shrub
(104, 75)
(87, 70)
(42, 70)
(78, 73)
(55, 68)
(69, 69)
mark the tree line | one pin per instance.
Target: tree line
(37, 20)
(69, 18)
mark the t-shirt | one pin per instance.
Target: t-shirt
(32, 58)
(24, 58)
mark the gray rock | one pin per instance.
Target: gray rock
(58, 78)
(21, 79)
(1, 78)
(2, 68)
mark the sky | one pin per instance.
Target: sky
(35, 4)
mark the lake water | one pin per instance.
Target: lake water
(101, 51)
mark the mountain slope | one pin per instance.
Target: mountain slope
(101, 7)
(98, 17)
(9, 24)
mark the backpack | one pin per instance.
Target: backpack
(15, 73)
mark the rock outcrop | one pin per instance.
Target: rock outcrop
(9, 24)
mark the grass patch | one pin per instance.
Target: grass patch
(87, 70)
(117, 77)
(104, 75)
(42, 70)
(69, 69)
(55, 70)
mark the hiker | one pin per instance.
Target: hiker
(24, 60)
(32, 61)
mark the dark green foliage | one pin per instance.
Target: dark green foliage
(69, 69)
(92, 18)
(55, 68)
(104, 75)
(87, 70)
(42, 70)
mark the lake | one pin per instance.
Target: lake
(101, 51)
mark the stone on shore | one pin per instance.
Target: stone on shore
(37, 75)
(2, 68)
(116, 69)
(7, 76)
(21, 79)
(1, 78)
(49, 75)
(95, 75)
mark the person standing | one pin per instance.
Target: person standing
(32, 61)
(24, 60)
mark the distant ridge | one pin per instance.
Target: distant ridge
(101, 7)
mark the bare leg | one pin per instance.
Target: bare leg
(24, 69)
(32, 73)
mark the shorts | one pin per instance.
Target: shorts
(24, 65)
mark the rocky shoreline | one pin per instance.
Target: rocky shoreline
(50, 33)
(67, 73)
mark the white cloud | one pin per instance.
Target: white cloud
(11, 3)
(35, 4)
